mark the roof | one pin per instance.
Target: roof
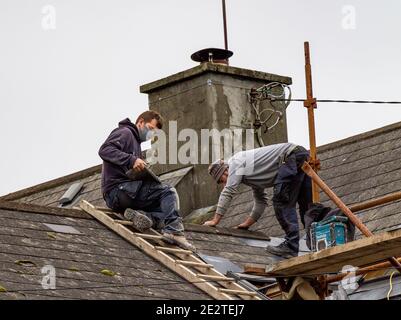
(378, 290)
(27, 245)
(49, 193)
(236, 246)
(357, 169)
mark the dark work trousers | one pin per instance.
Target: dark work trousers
(158, 201)
(292, 186)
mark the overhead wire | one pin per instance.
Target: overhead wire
(340, 101)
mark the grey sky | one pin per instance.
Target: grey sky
(63, 90)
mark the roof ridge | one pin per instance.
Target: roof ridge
(62, 180)
(51, 183)
(359, 137)
(97, 169)
(34, 208)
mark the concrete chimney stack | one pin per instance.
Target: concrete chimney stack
(211, 95)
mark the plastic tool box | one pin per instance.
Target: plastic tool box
(329, 233)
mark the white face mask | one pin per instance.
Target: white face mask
(143, 133)
(146, 134)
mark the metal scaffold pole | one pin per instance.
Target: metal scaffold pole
(310, 104)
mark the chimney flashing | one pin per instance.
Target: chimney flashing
(215, 68)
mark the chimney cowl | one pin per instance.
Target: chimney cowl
(213, 55)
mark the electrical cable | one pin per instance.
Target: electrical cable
(342, 101)
(391, 285)
(266, 93)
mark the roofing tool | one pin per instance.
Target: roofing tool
(329, 233)
(146, 174)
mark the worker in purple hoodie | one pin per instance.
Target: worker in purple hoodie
(145, 203)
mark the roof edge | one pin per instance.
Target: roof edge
(226, 231)
(359, 137)
(34, 208)
(51, 183)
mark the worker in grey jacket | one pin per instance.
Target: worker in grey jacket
(277, 166)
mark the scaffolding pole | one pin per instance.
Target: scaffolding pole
(341, 205)
(310, 104)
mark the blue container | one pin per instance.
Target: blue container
(328, 233)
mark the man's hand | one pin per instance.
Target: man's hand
(139, 165)
(246, 224)
(215, 221)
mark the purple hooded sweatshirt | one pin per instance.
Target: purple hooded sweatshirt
(119, 153)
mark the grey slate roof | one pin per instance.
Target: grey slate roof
(378, 290)
(49, 193)
(233, 248)
(99, 248)
(357, 169)
(79, 260)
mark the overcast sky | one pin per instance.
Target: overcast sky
(66, 80)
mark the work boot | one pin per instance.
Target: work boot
(140, 221)
(282, 250)
(178, 240)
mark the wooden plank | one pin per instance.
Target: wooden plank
(173, 250)
(357, 253)
(195, 264)
(148, 236)
(124, 222)
(166, 260)
(238, 292)
(103, 209)
(216, 278)
(254, 268)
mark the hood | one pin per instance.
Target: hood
(127, 123)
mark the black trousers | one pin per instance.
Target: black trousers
(158, 201)
(292, 186)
